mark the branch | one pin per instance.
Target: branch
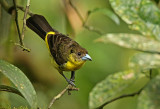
(68, 88)
(20, 8)
(23, 47)
(123, 96)
(24, 19)
(76, 10)
(16, 20)
(10, 9)
(84, 21)
(17, 24)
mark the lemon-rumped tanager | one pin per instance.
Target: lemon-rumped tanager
(67, 54)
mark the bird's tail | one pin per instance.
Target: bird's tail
(39, 25)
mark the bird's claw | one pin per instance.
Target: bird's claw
(71, 82)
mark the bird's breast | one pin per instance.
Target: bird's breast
(70, 66)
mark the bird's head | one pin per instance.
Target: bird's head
(78, 55)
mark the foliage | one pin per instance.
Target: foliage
(144, 17)
(140, 16)
(112, 86)
(149, 99)
(25, 88)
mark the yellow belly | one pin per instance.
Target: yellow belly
(70, 66)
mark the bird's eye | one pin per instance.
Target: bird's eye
(79, 53)
(71, 51)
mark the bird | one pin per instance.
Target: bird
(66, 53)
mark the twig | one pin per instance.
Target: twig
(84, 21)
(16, 20)
(68, 88)
(17, 24)
(91, 28)
(23, 47)
(24, 19)
(78, 13)
(122, 96)
(20, 8)
(10, 9)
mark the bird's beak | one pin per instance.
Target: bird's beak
(86, 57)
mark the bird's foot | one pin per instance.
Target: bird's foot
(71, 82)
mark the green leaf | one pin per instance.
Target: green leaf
(142, 15)
(20, 81)
(133, 41)
(145, 61)
(108, 13)
(112, 86)
(10, 89)
(149, 97)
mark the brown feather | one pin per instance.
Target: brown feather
(60, 45)
(39, 25)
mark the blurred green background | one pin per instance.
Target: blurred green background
(107, 58)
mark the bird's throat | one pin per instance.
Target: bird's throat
(72, 64)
